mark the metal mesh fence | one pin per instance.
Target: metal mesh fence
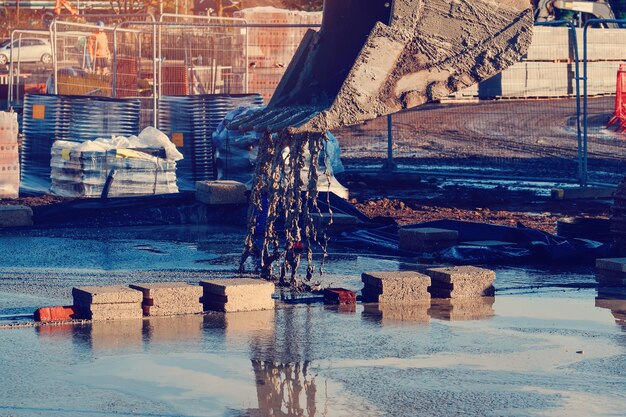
(522, 123)
(605, 50)
(28, 60)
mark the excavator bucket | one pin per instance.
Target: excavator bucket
(376, 57)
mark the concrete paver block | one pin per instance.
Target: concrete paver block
(612, 264)
(237, 294)
(235, 287)
(239, 306)
(461, 282)
(112, 311)
(16, 216)
(221, 192)
(170, 298)
(152, 311)
(84, 296)
(168, 290)
(608, 278)
(461, 274)
(427, 239)
(395, 287)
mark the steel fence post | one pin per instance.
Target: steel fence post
(390, 165)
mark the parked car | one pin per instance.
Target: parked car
(27, 49)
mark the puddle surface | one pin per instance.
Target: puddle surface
(516, 354)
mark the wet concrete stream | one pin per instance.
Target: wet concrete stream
(515, 355)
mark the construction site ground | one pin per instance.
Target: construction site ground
(508, 139)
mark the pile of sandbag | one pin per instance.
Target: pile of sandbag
(9, 156)
(236, 152)
(116, 167)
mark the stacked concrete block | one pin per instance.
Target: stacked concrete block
(611, 272)
(108, 302)
(237, 294)
(461, 282)
(16, 216)
(550, 44)
(458, 309)
(395, 287)
(606, 44)
(602, 76)
(221, 192)
(170, 298)
(427, 239)
(9, 156)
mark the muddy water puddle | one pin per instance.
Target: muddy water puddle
(547, 344)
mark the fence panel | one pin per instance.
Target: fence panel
(29, 61)
(520, 124)
(604, 51)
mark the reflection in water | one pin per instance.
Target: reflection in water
(453, 309)
(187, 328)
(341, 308)
(614, 300)
(103, 336)
(389, 313)
(284, 390)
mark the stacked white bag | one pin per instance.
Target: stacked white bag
(9, 156)
(82, 169)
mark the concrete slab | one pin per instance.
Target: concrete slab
(461, 274)
(488, 243)
(84, 296)
(239, 306)
(169, 290)
(16, 216)
(610, 278)
(461, 282)
(238, 287)
(237, 294)
(583, 193)
(152, 311)
(113, 313)
(611, 264)
(170, 298)
(427, 239)
(395, 287)
(221, 192)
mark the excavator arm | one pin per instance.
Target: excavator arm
(376, 57)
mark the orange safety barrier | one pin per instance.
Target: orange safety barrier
(619, 116)
(58, 313)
